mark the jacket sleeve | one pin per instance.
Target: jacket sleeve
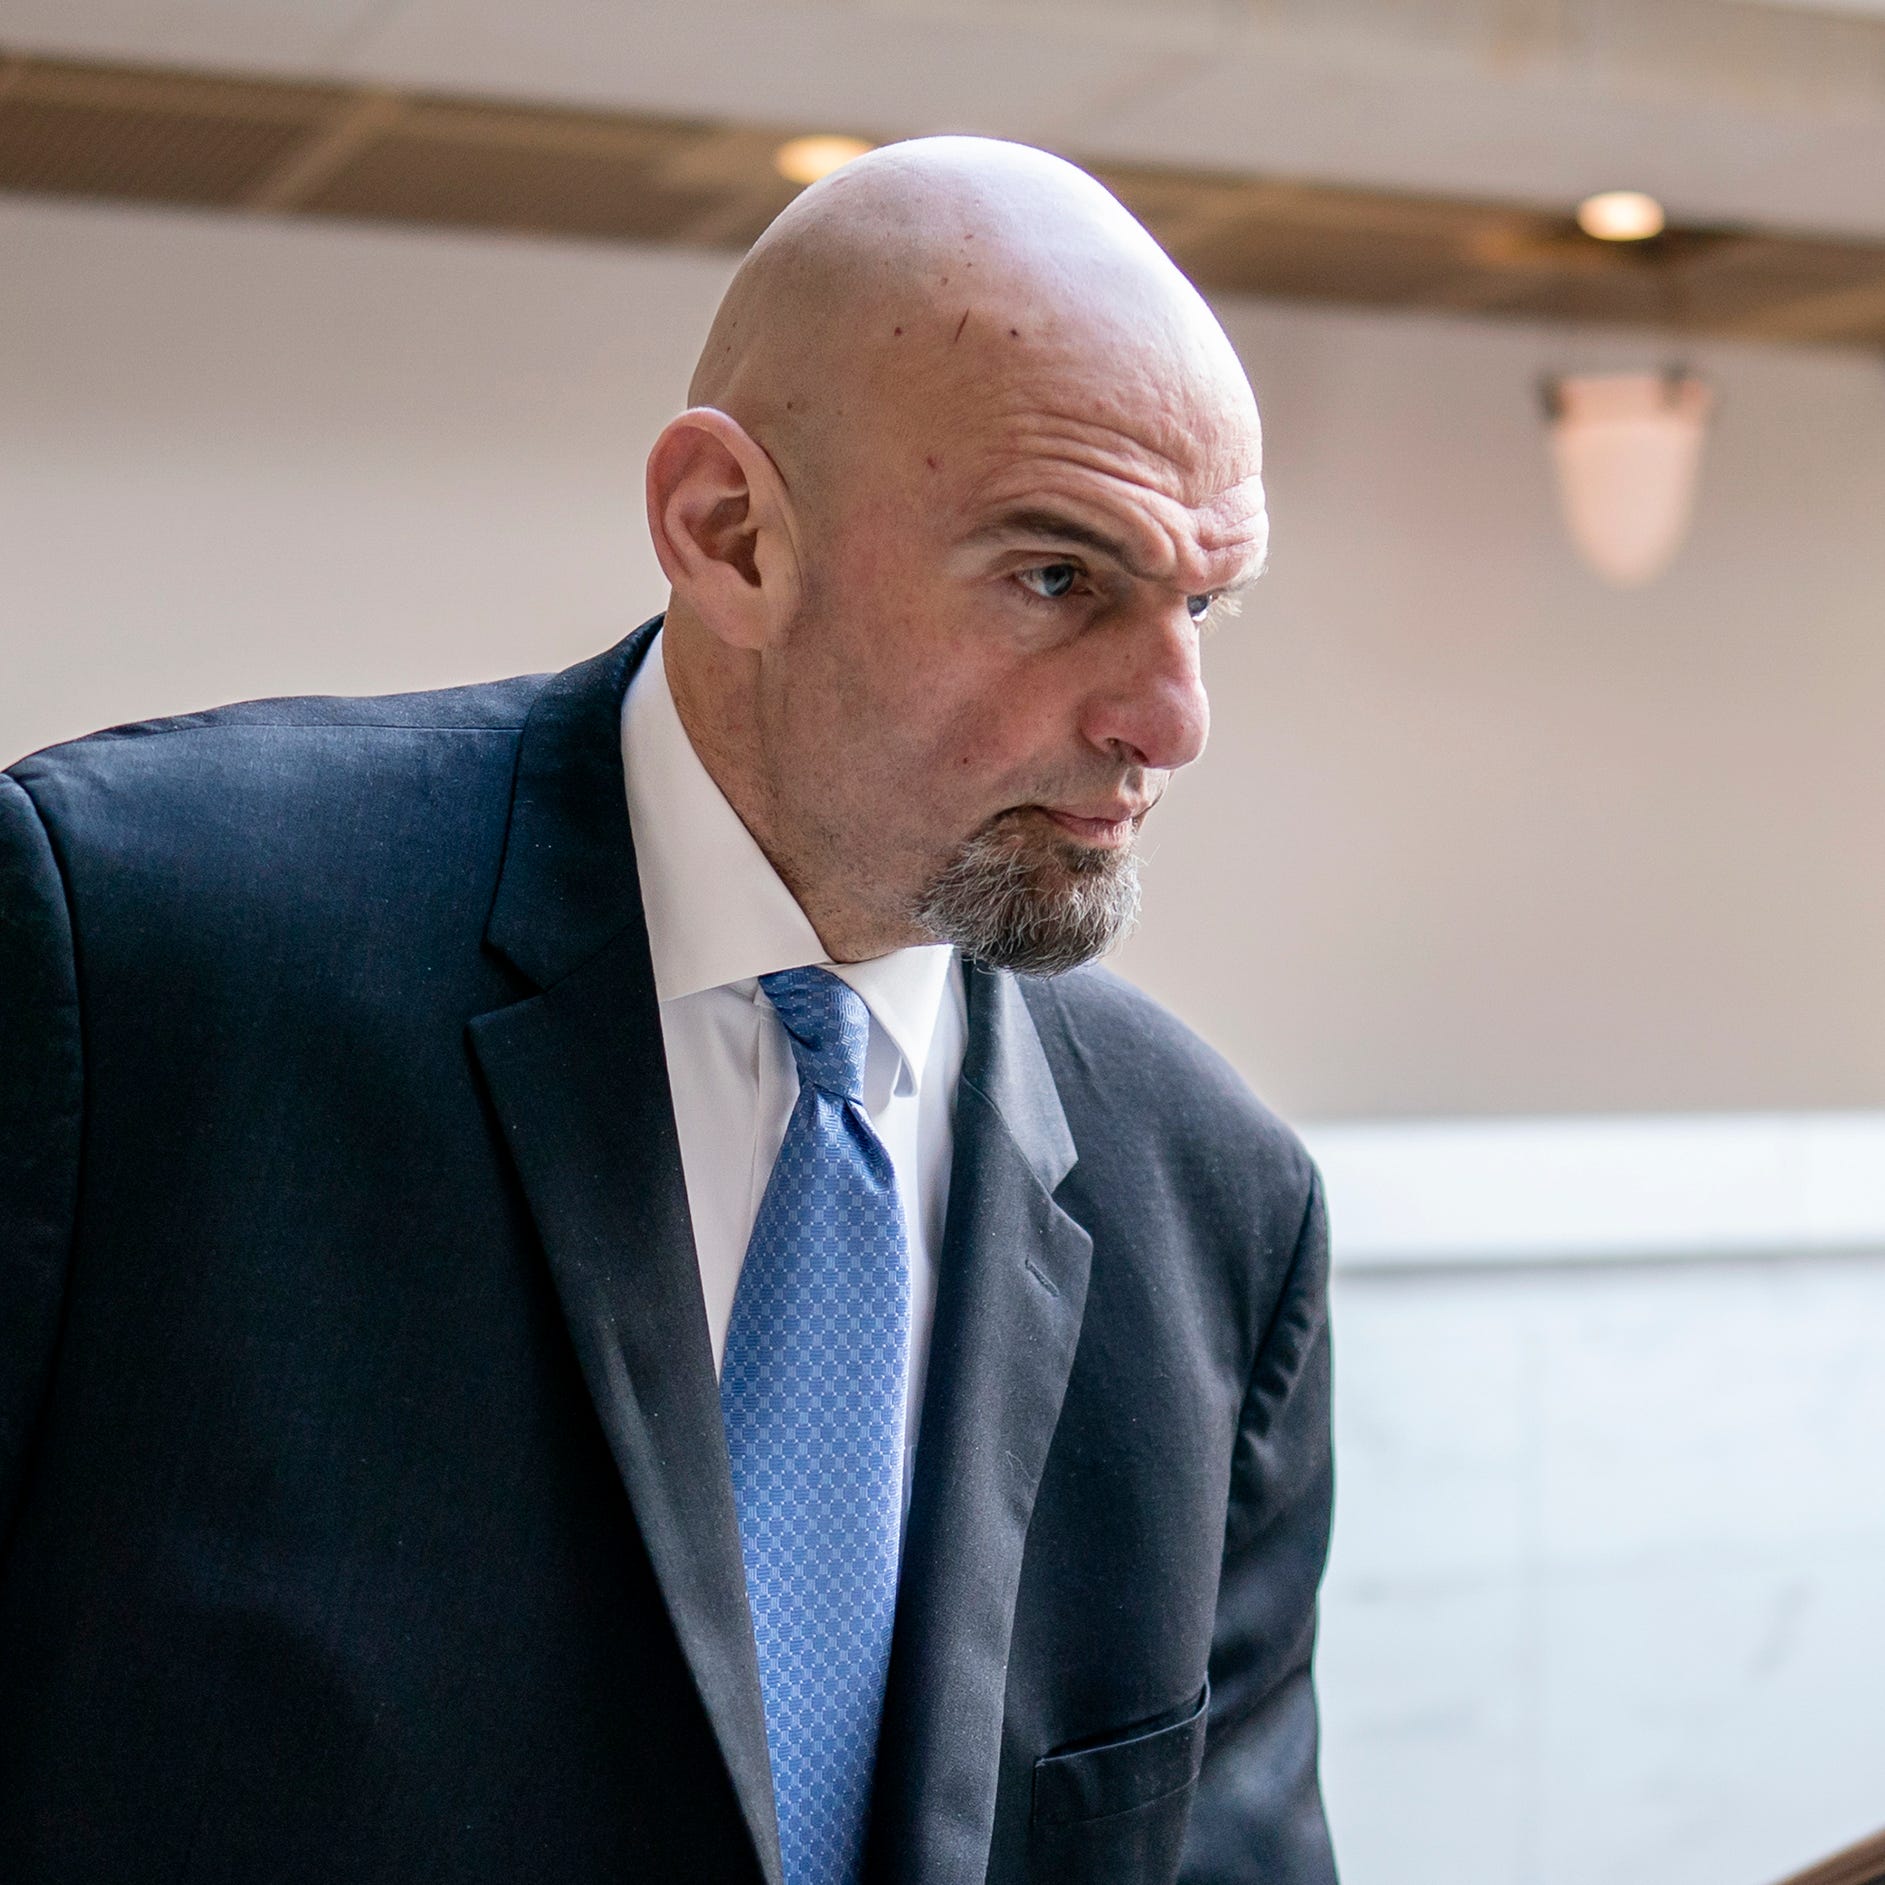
(1258, 1813)
(41, 1099)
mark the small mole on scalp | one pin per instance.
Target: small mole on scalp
(933, 462)
(897, 331)
(1014, 333)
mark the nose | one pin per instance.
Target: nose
(1150, 697)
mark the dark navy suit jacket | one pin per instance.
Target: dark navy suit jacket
(364, 1513)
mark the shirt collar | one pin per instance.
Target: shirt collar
(717, 911)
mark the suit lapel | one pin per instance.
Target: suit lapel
(579, 1081)
(1013, 1278)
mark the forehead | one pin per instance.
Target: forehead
(1133, 417)
(1171, 470)
(1151, 392)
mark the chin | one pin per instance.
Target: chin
(1018, 897)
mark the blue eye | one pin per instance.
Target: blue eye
(1050, 580)
(1199, 607)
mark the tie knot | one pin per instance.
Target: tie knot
(828, 1025)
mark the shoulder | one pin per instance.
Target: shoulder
(251, 817)
(1115, 1043)
(1161, 1110)
(262, 756)
(187, 739)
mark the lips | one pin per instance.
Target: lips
(1108, 827)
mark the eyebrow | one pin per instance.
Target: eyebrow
(1051, 526)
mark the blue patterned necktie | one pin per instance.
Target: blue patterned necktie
(812, 1388)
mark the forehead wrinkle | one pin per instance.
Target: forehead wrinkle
(1167, 448)
(1096, 473)
(1155, 545)
(1233, 523)
(1235, 516)
(1141, 493)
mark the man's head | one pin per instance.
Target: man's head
(967, 464)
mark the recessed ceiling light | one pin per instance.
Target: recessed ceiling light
(1620, 216)
(806, 159)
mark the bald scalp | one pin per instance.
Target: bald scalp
(945, 271)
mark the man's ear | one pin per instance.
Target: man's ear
(722, 527)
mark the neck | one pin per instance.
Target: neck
(716, 692)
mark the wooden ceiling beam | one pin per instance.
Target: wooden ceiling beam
(295, 147)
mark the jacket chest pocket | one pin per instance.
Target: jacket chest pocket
(1115, 1814)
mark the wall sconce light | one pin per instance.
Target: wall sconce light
(1627, 447)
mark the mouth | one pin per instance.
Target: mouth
(1105, 828)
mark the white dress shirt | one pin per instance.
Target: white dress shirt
(719, 917)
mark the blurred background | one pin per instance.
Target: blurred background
(1534, 868)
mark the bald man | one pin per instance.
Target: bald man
(593, 1287)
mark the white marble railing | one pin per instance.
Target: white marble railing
(1450, 1193)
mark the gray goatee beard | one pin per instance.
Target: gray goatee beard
(1031, 905)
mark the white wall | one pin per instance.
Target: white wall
(250, 458)
(1474, 835)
